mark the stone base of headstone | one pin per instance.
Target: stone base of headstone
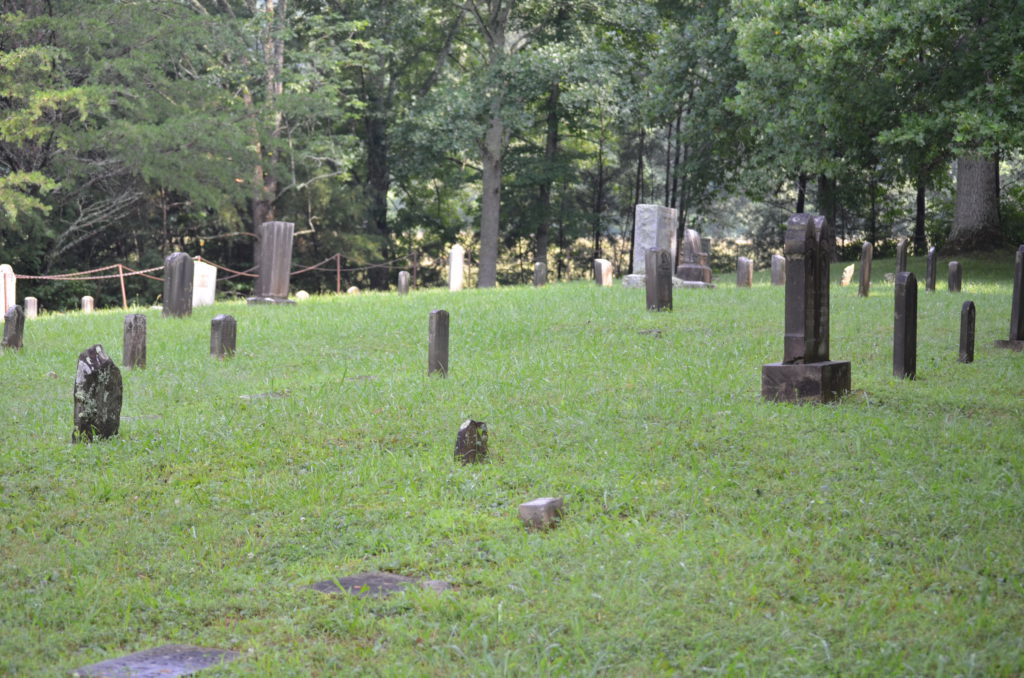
(167, 660)
(694, 273)
(375, 584)
(1012, 344)
(268, 300)
(805, 382)
(640, 280)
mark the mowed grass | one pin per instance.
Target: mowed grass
(706, 532)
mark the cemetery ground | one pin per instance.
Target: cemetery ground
(705, 532)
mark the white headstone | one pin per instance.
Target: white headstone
(88, 304)
(603, 272)
(8, 287)
(302, 295)
(455, 261)
(655, 229)
(204, 284)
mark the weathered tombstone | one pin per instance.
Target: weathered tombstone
(375, 584)
(929, 270)
(14, 328)
(178, 272)
(223, 333)
(31, 307)
(471, 442)
(455, 267)
(694, 267)
(540, 514)
(806, 374)
(866, 254)
(301, 295)
(437, 348)
(352, 290)
(273, 263)
(901, 255)
(166, 661)
(956, 276)
(659, 280)
(403, 282)
(8, 287)
(847, 276)
(1016, 340)
(744, 272)
(778, 269)
(655, 229)
(97, 396)
(88, 304)
(603, 272)
(204, 284)
(904, 333)
(134, 354)
(540, 273)
(967, 320)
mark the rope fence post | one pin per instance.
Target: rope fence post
(337, 272)
(124, 295)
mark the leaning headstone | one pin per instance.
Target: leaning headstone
(274, 263)
(806, 374)
(166, 661)
(694, 266)
(471, 442)
(901, 255)
(778, 269)
(956, 276)
(14, 328)
(847, 276)
(437, 348)
(904, 333)
(97, 396)
(223, 333)
(541, 514)
(403, 282)
(655, 229)
(967, 320)
(744, 272)
(31, 307)
(540, 273)
(178, 273)
(204, 284)
(659, 280)
(88, 304)
(134, 354)
(603, 272)
(866, 254)
(929, 270)
(456, 259)
(375, 584)
(1016, 340)
(8, 287)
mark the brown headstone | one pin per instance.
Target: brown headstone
(98, 395)
(866, 255)
(223, 335)
(437, 343)
(901, 255)
(659, 280)
(967, 320)
(744, 272)
(929, 270)
(178, 280)
(956, 276)
(471, 442)
(904, 335)
(134, 353)
(1016, 340)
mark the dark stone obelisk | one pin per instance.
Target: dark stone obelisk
(178, 271)
(134, 354)
(866, 255)
(956, 276)
(659, 280)
(1016, 340)
(806, 374)
(929, 270)
(274, 263)
(967, 318)
(437, 343)
(904, 333)
(14, 328)
(223, 333)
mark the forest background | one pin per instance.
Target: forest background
(526, 130)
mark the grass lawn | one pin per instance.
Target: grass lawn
(706, 532)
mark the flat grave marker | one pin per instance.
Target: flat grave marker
(375, 584)
(166, 661)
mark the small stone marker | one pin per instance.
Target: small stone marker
(455, 267)
(437, 348)
(847, 276)
(178, 273)
(603, 272)
(471, 443)
(1016, 340)
(694, 267)
(375, 584)
(967, 318)
(778, 269)
(866, 255)
(134, 354)
(403, 282)
(31, 307)
(273, 263)
(904, 334)
(744, 272)
(929, 270)
(223, 330)
(540, 273)
(901, 255)
(659, 280)
(166, 661)
(540, 514)
(301, 295)
(97, 396)
(352, 290)
(88, 304)
(204, 284)
(14, 328)
(656, 228)
(956, 276)
(8, 287)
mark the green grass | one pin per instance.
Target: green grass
(706, 532)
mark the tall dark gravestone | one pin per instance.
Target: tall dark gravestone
(866, 254)
(178, 272)
(929, 270)
(956, 276)
(806, 374)
(437, 343)
(223, 334)
(134, 354)
(14, 328)
(659, 280)
(273, 263)
(904, 333)
(1016, 340)
(901, 255)
(967, 320)
(98, 394)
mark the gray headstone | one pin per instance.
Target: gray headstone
(14, 328)
(744, 272)
(1016, 340)
(904, 334)
(901, 255)
(8, 287)
(659, 280)
(274, 263)
(929, 270)
(540, 273)
(694, 265)
(134, 354)
(956, 276)
(166, 661)
(223, 332)
(847, 276)
(866, 255)
(97, 396)
(655, 229)
(967, 320)
(178, 274)
(778, 269)
(204, 284)
(88, 304)
(437, 349)
(31, 307)
(456, 262)
(541, 514)
(603, 272)
(403, 282)
(375, 584)
(471, 442)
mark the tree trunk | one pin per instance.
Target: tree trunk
(490, 201)
(920, 241)
(378, 174)
(638, 194)
(599, 195)
(801, 192)
(976, 211)
(544, 190)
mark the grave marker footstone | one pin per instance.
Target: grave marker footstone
(901, 255)
(540, 273)
(929, 270)
(655, 229)
(8, 287)
(866, 254)
(166, 661)
(603, 272)
(31, 307)
(14, 328)
(134, 354)
(956, 276)
(847, 276)
(1016, 340)
(778, 269)
(904, 334)
(455, 267)
(541, 514)
(437, 350)
(694, 267)
(403, 282)
(471, 442)
(223, 332)
(204, 284)
(744, 272)
(273, 263)
(375, 584)
(301, 295)
(88, 304)
(97, 396)
(178, 274)
(659, 280)
(967, 320)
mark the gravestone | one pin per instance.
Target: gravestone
(541, 514)
(8, 287)
(223, 332)
(655, 229)
(901, 255)
(967, 320)
(540, 273)
(867, 251)
(97, 396)
(88, 304)
(806, 374)
(166, 661)
(134, 354)
(437, 348)
(744, 272)
(178, 273)
(603, 272)
(204, 284)
(847, 276)
(375, 584)
(14, 328)
(301, 295)
(904, 333)
(403, 282)
(31, 307)
(273, 263)
(352, 290)
(1016, 340)
(456, 261)
(778, 269)
(471, 442)
(956, 276)
(929, 270)
(694, 267)
(659, 280)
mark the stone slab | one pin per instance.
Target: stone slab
(638, 280)
(1012, 344)
(541, 514)
(268, 300)
(819, 382)
(375, 584)
(165, 661)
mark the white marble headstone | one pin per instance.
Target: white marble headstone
(455, 263)
(8, 287)
(656, 228)
(204, 284)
